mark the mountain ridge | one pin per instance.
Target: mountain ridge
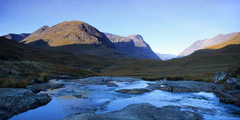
(234, 40)
(132, 45)
(16, 37)
(68, 33)
(201, 44)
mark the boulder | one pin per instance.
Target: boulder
(43, 87)
(229, 98)
(133, 91)
(220, 76)
(144, 111)
(234, 83)
(15, 100)
(185, 86)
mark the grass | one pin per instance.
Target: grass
(13, 83)
(202, 78)
(18, 61)
(21, 73)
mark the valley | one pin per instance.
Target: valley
(69, 69)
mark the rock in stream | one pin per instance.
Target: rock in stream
(15, 100)
(144, 111)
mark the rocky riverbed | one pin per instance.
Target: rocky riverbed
(14, 101)
(115, 97)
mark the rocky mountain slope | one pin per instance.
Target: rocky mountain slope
(16, 37)
(231, 41)
(166, 56)
(133, 46)
(201, 44)
(69, 33)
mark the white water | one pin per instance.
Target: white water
(102, 99)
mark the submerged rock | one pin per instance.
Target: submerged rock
(15, 101)
(142, 111)
(133, 91)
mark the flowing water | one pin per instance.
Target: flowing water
(75, 97)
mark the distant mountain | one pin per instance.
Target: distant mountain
(69, 33)
(16, 37)
(133, 46)
(166, 56)
(234, 40)
(201, 44)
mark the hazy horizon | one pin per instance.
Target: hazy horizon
(168, 26)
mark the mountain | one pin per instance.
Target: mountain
(133, 46)
(201, 44)
(234, 40)
(16, 37)
(166, 56)
(69, 33)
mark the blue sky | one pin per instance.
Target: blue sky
(169, 26)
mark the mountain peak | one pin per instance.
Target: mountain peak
(68, 33)
(132, 45)
(138, 40)
(42, 29)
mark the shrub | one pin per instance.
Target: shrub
(13, 83)
(42, 77)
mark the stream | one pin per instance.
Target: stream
(76, 97)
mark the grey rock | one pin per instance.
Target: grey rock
(233, 92)
(219, 76)
(15, 101)
(232, 83)
(43, 87)
(133, 91)
(233, 80)
(229, 98)
(109, 81)
(110, 84)
(142, 111)
(185, 86)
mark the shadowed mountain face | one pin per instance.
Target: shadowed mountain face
(133, 46)
(16, 37)
(201, 44)
(69, 33)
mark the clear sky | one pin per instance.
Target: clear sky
(169, 26)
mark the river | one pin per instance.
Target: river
(76, 97)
